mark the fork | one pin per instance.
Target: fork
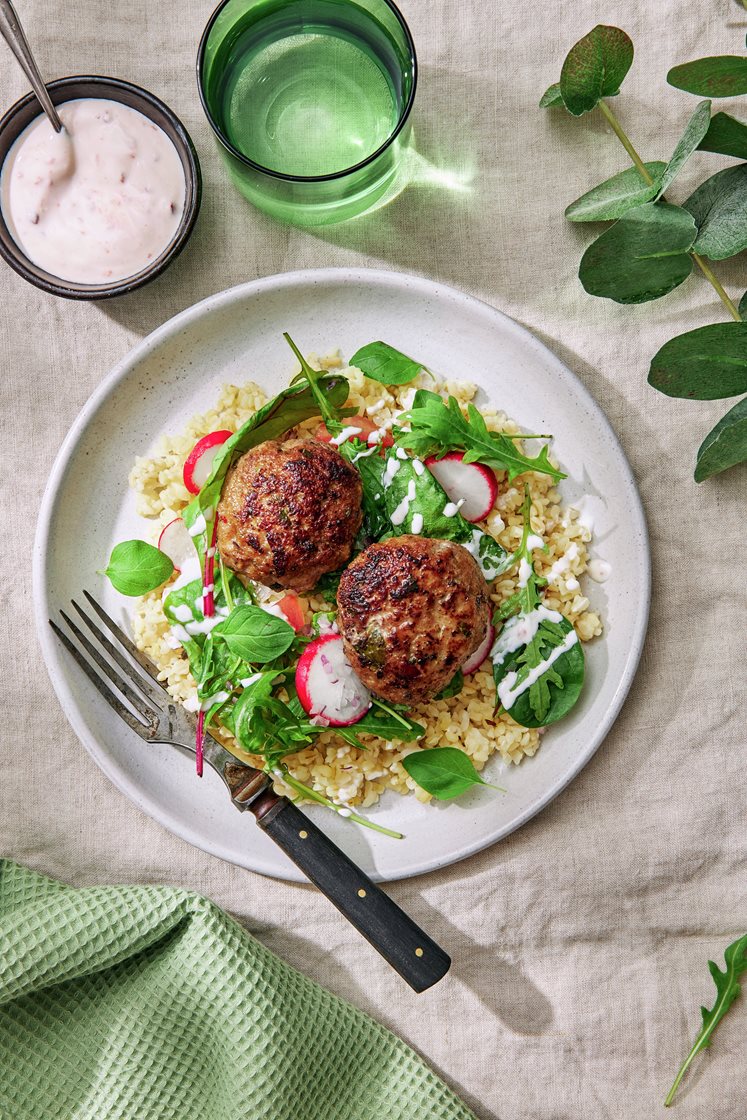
(127, 680)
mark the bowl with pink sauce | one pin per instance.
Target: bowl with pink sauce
(103, 207)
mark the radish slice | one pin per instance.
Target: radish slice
(472, 484)
(481, 654)
(327, 685)
(199, 462)
(176, 542)
(291, 608)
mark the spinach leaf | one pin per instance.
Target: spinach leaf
(595, 68)
(727, 990)
(136, 567)
(370, 466)
(453, 688)
(444, 772)
(381, 362)
(540, 681)
(438, 427)
(415, 502)
(254, 635)
(725, 445)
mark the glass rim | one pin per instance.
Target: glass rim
(281, 175)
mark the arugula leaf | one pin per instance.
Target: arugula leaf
(615, 196)
(727, 989)
(384, 723)
(438, 427)
(381, 362)
(444, 772)
(643, 256)
(718, 76)
(410, 491)
(705, 364)
(263, 724)
(694, 132)
(719, 208)
(540, 681)
(725, 445)
(595, 68)
(254, 635)
(136, 567)
(725, 135)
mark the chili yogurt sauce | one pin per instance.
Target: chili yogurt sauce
(98, 202)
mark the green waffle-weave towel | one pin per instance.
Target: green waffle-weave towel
(150, 1003)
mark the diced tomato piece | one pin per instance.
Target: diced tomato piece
(291, 608)
(367, 429)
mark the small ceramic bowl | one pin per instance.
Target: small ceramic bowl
(68, 89)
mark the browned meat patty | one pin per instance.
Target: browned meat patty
(411, 611)
(289, 512)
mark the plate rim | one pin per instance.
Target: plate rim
(119, 372)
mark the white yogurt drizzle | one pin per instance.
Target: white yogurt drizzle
(509, 691)
(345, 435)
(417, 523)
(390, 470)
(402, 510)
(451, 509)
(599, 570)
(519, 631)
(561, 565)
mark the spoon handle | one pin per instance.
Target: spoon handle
(12, 32)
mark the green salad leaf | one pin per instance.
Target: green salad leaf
(444, 772)
(725, 445)
(370, 466)
(718, 76)
(728, 988)
(136, 567)
(453, 688)
(438, 427)
(595, 68)
(381, 362)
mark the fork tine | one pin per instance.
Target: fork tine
(137, 701)
(142, 658)
(151, 689)
(104, 690)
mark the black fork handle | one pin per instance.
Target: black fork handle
(417, 958)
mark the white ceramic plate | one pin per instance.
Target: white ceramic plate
(237, 335)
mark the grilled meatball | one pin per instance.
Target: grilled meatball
(411, 611)
(289, 512)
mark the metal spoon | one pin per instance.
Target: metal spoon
(12, 32)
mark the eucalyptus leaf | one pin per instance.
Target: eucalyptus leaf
(642, 257)
(719, 76)
(136, 567)
(551, 96)
(689, 142)
(725, 445)
(719, 207)
(444, 772)
(726, 135)
(381, 362)
(704, 364)
(743, 306)
(595, 68)
(615, 196)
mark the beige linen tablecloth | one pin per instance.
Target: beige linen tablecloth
(580, 943)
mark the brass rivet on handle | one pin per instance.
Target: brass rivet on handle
(418, 952)
(361, 893)
(303, 834)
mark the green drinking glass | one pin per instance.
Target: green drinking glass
(310, 102)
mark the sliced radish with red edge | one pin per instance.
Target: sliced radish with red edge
(473, 484)
(481, 654)
(199, 462)
(176, 542)
(327, 685)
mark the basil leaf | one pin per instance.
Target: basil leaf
(719, 207)
(727, 990)
(290, 407)
(438, 427)
(136, 567)
(595, 68)
(539, 682)
(254, 635)
(725, 445)
(444, 772)
(551, 96)
(705, 364)
(453, 688)
(643, 256)
(381, 362)
(719, 76)
(726, 135)
(696, 129)
(615, 196)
